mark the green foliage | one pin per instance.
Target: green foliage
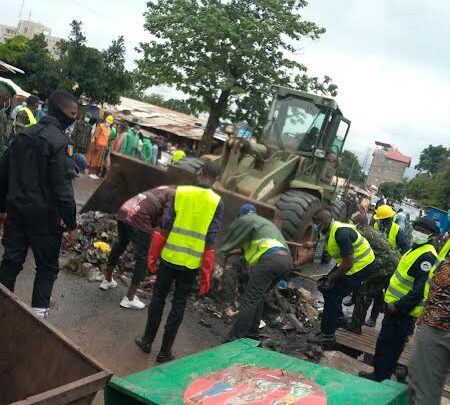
(433, 186)
(432, 158)
(349, 168)
(225, 54)
(392, 190)
(101, 76)
(13, 48)
(42, 74)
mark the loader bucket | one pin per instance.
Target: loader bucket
(128, 177)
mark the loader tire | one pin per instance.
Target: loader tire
(338, 210)
(190, 164)
(295, 209)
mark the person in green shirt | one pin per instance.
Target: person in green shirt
(270, 261)
(147, 151)
(130, 142)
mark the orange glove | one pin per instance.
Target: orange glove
(207, 269)
(154, 252)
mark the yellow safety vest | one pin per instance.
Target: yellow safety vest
(362, 252)
(31, 118)
(401, 283)
(393, 232)
(256, 248)
(194, 211)
(441, 257)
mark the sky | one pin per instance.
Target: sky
(390, 59)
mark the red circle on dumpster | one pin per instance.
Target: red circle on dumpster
(249, 385)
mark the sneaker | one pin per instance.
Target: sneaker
(351, 327)
(371, 322)
(366, 375)
(136, 303)
(106, 285)
(322, 339)
(40, 312)
(165, 357)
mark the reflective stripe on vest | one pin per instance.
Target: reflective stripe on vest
(256, 248)
(441, 257)
(362, 252)
(31, 117)
(393, 232)
(194, 211)
(401, 283)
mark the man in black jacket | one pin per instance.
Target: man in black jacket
(36, 198)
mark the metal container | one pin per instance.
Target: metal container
(38, 364)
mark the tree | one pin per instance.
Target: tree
(12, 48)
(42, 74)
(101, 76)
(349, 168)
(225, 54)
(393, 190)
(432, 158)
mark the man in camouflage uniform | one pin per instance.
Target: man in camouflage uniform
(6, 95)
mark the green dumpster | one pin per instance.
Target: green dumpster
(167, 384)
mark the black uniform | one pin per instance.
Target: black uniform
(36, 192)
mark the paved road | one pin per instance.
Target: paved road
(93, 319)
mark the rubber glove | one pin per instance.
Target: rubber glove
(154, 253)
(207, 269)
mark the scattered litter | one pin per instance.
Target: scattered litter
(103, 246)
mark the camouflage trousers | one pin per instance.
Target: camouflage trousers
(371, 290)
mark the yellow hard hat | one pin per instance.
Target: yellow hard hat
(383, 212)
(109, 119)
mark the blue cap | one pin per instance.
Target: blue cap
(80, 162)
(247, 209)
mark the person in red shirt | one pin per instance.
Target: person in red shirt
(136, 220)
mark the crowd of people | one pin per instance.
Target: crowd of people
(175, 229)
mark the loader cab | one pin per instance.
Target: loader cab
(304, 124)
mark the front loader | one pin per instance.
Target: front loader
(287, 174)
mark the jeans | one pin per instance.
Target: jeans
(430, 365)
(332, 310)
(390, 344)
(184, 280)
(19, 235)
(269, 270)
(141, 243)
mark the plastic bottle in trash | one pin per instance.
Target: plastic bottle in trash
(318, 255)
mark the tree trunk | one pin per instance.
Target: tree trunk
(215, 114)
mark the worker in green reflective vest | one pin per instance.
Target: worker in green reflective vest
(384, 222)
(354, 257)
(184, 246)
(266, 252)
(405, 298)
(26, 116)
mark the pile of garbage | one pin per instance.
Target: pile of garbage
(90, 255)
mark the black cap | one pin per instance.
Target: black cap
(427, 223)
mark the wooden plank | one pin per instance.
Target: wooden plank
(366, 342)
(71, 392)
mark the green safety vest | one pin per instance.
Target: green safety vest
(31, 117)
(256, 248)
(393, 232)
(194, 211)
(441, 257)
(362, 252)
(401, 283)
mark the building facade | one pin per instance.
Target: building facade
(388, 165)
(29, 29)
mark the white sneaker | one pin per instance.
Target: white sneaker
(106, 285)
(41, 312)
(136, 303)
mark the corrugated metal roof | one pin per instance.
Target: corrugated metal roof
(153, 116)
